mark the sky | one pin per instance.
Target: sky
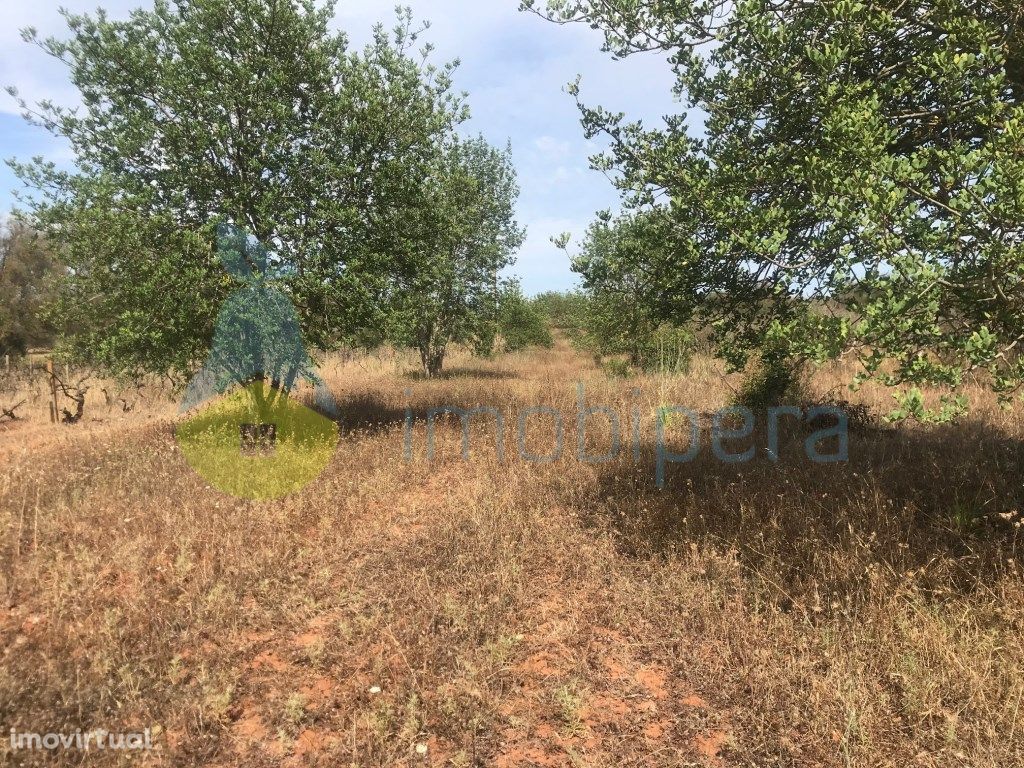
(514, 67)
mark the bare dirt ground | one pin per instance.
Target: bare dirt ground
(507, 613)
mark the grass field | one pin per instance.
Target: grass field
(512, 613)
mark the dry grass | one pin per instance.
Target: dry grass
(506, 613)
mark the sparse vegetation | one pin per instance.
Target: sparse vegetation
(512, 613)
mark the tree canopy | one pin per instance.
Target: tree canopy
(257, 115)
(521, 321)
(452, 250)
(851, 179)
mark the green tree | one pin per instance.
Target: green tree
(561, 310)
(521, 323)
(27, 272)
(857, 184)
(452, 250)
(253, 114)
(627, 267)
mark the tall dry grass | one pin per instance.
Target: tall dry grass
(506, 613)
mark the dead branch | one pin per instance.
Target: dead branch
(76, 394)
(126, 406)
(9, 413)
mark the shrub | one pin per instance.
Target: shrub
(775, 380)
(521, 323)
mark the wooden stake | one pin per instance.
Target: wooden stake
(53, 391)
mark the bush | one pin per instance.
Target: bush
(616, 367)
(667, 350)
(564, 311)
(775, 380)
(521, 323)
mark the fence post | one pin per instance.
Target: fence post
(53, 391)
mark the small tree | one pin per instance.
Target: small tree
(201, 112)
(520, 323)
(462, 235)
(626, 265)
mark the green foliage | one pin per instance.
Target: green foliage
(617, 368)
(561, 310)
(622, 264)
(200, 112)
(857, 184)
(462, 234)
(27, 272)
(521, 322)
(911, 405)
(142, 295)
(258, 337)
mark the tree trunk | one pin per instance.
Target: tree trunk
(264, 395)
(432, 348)
(432, 361)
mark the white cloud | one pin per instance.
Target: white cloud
(551, 148)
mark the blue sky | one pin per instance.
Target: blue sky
(514, 66)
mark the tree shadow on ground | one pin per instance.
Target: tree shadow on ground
(368, 413)
(463, 373)
(940, 504)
